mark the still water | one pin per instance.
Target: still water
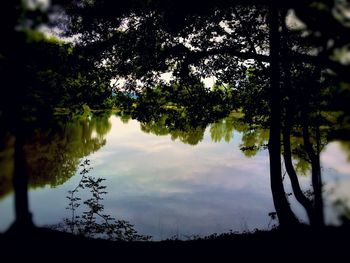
(166, 185)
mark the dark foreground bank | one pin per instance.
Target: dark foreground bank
(303, 244)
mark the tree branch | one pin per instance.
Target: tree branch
(191, 57)
(246, 35)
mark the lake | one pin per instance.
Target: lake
(166, 185)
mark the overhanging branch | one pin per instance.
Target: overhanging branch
(191, 57)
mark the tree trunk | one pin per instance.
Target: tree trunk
(285, 215)
(20, 184)
(288, 120)
(298, 193)
(315, 174)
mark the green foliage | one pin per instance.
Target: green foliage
(346, 147)
(6, 164)
(186, 134)
(32, 36)
(53, 153)
(222, 129)
(253, 141)
(141, 40)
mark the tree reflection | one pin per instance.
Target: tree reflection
(297, 147)
(188, 135)
(52, 154)
(295, 83)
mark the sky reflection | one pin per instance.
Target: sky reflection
(168, 188)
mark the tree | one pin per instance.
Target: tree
(144, 39)
(228, 40)
(38, 74)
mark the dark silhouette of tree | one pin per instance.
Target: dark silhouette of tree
(258, 64)
(142, 39)
(38, 74)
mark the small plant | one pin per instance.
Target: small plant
(273, 218)
(93, 222)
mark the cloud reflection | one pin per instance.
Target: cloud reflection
(162, 185)
(168, 188)
(335, 158)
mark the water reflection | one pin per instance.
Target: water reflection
(162, 184)
(166, 187)
(45, 154)
(93, 222)
(53, 155)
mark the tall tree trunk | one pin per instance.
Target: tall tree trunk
(298, 193)
(285, 215)
(315, 173)
(288, 120)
